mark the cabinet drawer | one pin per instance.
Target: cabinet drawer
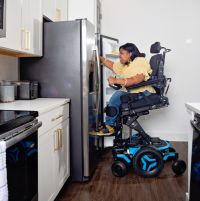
(53, 118)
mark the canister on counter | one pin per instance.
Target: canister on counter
(7, 92)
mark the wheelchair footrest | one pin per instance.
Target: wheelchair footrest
(173, 155)
(100, 134)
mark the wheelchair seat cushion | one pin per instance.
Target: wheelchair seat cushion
(129, 97)
(154, 98)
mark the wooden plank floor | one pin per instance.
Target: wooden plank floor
(104, 186)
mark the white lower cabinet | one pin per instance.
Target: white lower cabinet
(53, 161)
(46, 171)
(62, 169)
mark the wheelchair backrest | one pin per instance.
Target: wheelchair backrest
(157, 65)
(154, 63)
(156, 60)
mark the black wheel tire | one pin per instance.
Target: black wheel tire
(172, 149)
(151, 153)
(119, 169)
(179, 167)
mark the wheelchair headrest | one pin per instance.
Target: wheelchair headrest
(155, 48)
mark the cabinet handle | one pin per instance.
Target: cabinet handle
(56, 131)
(24, 48)
(29, 40)
(60, 138)
(58, 14)
(53, 119)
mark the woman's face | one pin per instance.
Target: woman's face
(124, 56)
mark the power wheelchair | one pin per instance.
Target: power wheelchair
(144, 153)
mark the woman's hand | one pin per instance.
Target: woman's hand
(111, 80)
(100, 57)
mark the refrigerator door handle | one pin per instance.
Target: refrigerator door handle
(95, 48)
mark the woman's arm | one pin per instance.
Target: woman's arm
(108, 64)
(130, 81)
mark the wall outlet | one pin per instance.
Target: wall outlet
(143, 117)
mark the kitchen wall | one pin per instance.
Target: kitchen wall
(176, 24)
(8, 68)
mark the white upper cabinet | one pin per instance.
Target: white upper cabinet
(90, 9)
(61, 8)
(34, 26)
(13, 26)
(55, 10)
(49, 9)
(23, 27)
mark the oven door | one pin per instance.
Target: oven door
(2, 18)
(22, 165)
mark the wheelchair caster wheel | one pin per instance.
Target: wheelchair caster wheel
(179, 167)
(119, 169)
(148, 162)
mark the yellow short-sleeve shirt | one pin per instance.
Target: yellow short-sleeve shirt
(140, 65)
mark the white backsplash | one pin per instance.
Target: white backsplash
(9, 69)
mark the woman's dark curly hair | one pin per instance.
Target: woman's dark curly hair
(130, 47)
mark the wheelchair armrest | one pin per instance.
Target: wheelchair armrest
(149, 82)
(116, 86)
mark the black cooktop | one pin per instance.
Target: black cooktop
(10, 119)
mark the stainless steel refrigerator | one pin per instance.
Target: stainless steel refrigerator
(68, 69)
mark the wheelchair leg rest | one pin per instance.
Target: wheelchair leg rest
(171, 155)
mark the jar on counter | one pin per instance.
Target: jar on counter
(7, 92)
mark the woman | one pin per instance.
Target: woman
(133, 68)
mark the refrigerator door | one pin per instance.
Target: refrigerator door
(106, 45)
(89, 97)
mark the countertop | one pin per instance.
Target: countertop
(41, 105)
(194, 107)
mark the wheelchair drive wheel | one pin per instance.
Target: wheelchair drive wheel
(148, 162)
(179, 167)
(172, 149)
(119, 169)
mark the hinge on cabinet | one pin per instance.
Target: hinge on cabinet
(100, 16)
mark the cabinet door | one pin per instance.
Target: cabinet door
(49, 9)
(34, 25)
(61, 8)
(62, 156)
(46, 180)
(13, 26)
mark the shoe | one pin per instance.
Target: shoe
(107, 130)
(100, 127)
